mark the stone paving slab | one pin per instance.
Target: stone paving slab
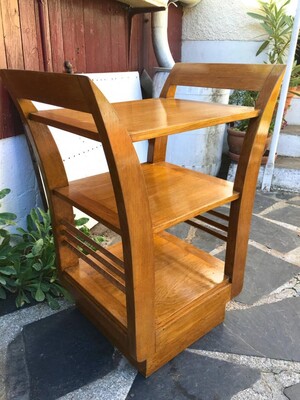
(63, 352)
(63, 356)
(295, 202)
(180, 230)
(293, 392)
(273, 235)
(263, 201)
(264, 273)
(191, 376)
(205, 241)
(270, 330)
(288, 214)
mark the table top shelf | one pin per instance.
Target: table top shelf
(148, 119)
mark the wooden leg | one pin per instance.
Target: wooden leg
(237, 243)
(157, 149)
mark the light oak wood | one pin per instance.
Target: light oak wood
(166, 187)
(152, 294)
(148, 119)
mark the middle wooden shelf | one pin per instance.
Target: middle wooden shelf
(175, 194)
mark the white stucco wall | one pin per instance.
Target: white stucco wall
(221, 20)
(221, 31)
(17, 174)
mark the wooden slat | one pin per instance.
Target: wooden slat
(56, 35)
(42, 87)
(3, 63)
(29, 35)
(219, 215)
(103, 250)
(206, 229)
(95, 196)
(161, 116)
(117, 283)
(97, 31)
(213, 223)
(231, 76)
(44, 30)
(118, 39)
(73, 33)
(12, 33)
(106, 265)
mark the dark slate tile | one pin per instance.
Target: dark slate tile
(270, 330)
(63, 352)
(295, 202)
(289, 214)
(180, 230)
(273, 236)
(293, 392)
(205, 241)
(17, 382)
(263, 201)
(264, 273)
(195, 377)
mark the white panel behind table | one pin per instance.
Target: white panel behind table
(84, 157)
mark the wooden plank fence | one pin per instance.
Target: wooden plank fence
(91, 34)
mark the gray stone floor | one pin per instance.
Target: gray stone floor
(254, 354)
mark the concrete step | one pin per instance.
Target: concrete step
(289, 141)
(293, 113)
(286, 175)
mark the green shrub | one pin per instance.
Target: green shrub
(27, 258)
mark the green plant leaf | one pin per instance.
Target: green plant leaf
(2, 293)
(256, 16)
(7, 216)
(37, 266)
(2, 281)
(38, 247)
(52, 302)
(81, 221)
(262, 47)
(8, 270)
(39, 295)
(4, 233)
(4, 192)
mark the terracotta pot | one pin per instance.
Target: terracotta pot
(235, 141)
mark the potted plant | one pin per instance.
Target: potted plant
(237, 130)
(278, 26)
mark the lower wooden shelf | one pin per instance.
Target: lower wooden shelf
(190, 297)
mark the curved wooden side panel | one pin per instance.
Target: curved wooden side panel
(246, 178)
(135, 222)
(79, 93)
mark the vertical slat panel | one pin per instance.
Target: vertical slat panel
(136, 43)
(12, 58)
(38, 35)
(12, 34)
(175, 31)
(3, 63)
(29, 35)
(48, 41)
(42, 22)
(56, 35)
(73, 33)
(97, 36)
(79, 35)
(119, 35)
